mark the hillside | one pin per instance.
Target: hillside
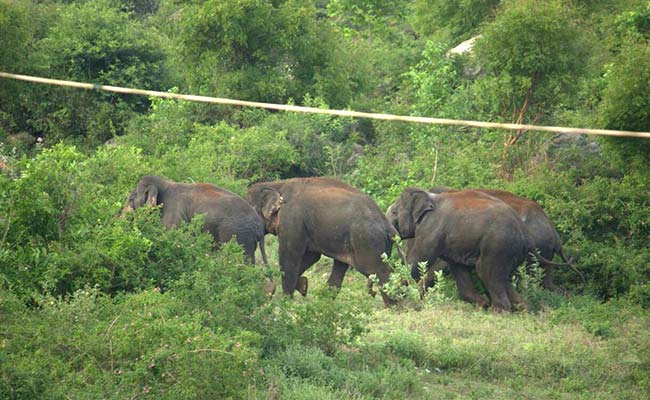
(98, 305)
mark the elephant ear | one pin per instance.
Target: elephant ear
(151, 195)
(271, 202)
(422, 204)
(413, 205)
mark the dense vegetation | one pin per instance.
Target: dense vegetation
(97, 306)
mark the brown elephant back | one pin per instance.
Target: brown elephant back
(471, 200)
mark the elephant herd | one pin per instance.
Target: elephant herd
(490, 231)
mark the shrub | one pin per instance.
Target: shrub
(444, 290)
(323, 320)
(227, 290)
(92, 346)
(108, 48)
(528, 282)
(640, 294)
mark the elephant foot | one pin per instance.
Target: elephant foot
(388, 302)
(302, 285)
(501, 307)
(477, 299)
(480, 302)
(371, 290)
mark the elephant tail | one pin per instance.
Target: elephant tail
(570, 263)
(549, 262)
(567, 262)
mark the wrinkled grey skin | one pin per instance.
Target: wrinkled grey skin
(466, 229)
(324, 216)
(226, 213)
(539, 227)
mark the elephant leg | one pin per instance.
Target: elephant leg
(290, 264)
(249, 253)
(382, 270)
(307, 261)
(369, 287)
(492, 273)
(466, 289)
(515, 299)
(338, 273)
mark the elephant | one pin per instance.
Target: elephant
(226, 213)
(324, 216)
(540, 229)
(465, 229)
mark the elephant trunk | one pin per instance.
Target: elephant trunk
(400, 252)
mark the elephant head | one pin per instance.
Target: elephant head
(267, 201)
(408, 211)
(146, 192)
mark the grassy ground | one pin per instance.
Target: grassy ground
(213, 334)
(446, 349)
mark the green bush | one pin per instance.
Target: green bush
(92, 346)
(323, 320)
(108, 48)
(640, 294)
(227, 291)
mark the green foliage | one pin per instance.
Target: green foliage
(94, 42)
(435, 79)
(257, 154)
(226, 290)
(599, 319)
(640, 294)
(97, 306)
(324, 320)
(453, 20)
(93, 346)
(408, 346)
(48, 187)
(443, 291)
(634, 24)
(626, 101)
(528, 282)
(16, 30)
(400, 286)
(530, 55)
(265, 51)
(424, 157)
(322, 145)
(307, 372)
(167, 125)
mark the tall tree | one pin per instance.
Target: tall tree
(531, 56)
(96, 42)
(264, 50)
